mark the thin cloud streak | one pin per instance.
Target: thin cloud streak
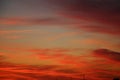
(34, 21)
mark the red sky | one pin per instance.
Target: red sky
(69, 37)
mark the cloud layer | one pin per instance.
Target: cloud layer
(90, 68)
(104, 15)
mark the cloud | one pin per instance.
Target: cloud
(60, 56)
(62, 72)
(44, 72)
(111, 30)
(31, 21)
(14, 31)
(100, 16)
(21, 21)
(90, 41)
(107, 54)
(13, 34)
(104, 15)
(53, 50)
(2, 56)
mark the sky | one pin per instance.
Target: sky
(64, 39)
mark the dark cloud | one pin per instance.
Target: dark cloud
(100, 29)
(105, 12)
(101, 9)
(93, 5)
(108, 54)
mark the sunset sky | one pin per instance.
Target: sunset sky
(62, 35)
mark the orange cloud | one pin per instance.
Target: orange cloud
(60, 57)
(15, 47)
(33, 72)
(53, 50)
(31, 21)
(13, 34)
(91, 70)
(45, 72)
(14, 31)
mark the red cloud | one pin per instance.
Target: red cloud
(60, 56)
(91, 70)
(33, 72)
(46, 72)
(108, 54)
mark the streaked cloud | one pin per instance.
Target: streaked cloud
(59, 39)
(33, 21)
(108, 54)
(14, 31)
(45, 72)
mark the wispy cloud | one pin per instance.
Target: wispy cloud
(53, 50)
(33, 21)
(14, 31)
(89, 69)
(45, 72)
(14, 34)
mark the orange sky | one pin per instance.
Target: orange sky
(61, 33)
